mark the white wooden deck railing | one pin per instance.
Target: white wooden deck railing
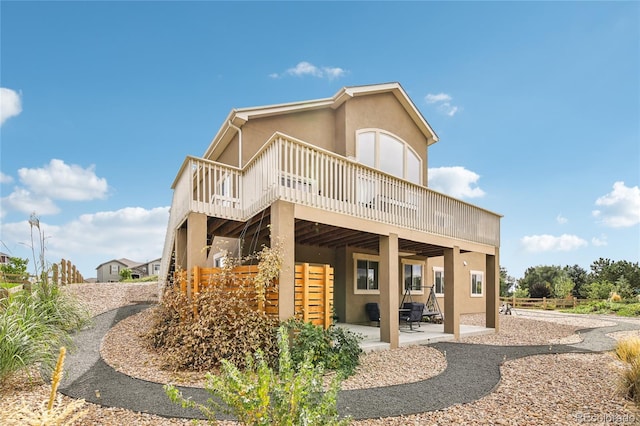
(295, 171)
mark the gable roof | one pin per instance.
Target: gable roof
(123, 261)
(238, 116)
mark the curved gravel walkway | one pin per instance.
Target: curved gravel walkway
(472, 372)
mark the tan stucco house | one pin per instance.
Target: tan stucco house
(340, 181)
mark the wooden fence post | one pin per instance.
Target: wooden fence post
(63, 271)
(68, 272)
(544, 303)
(328, 312)
(513, 304)
(305, 292)
(196, 281)
(54, 272)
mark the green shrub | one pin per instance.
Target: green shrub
(258, 395)
(225, 327)
(335, 348)
(148, 279)
(125, 274)
(629, 310)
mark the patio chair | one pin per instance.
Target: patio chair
(412, 312)
(373, 312)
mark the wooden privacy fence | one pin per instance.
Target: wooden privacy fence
(313, 289)
(544, 302)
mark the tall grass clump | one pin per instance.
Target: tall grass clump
(628, 351)
(33, 324)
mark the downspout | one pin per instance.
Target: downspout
(241, 241)
(239, 143)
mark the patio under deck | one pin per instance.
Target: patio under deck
(425, 334)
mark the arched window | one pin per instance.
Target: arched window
(385, 152)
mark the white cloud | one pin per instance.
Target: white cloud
(91, 239)
(620, 208)
(10, 104)
(23, 200)
(60, 181)
(455, 181)
(561, 219)
(599, 242)
(540, 243)
(5, 178)
(305, 68)
(443, 102)
(333, 72)
(440, 97)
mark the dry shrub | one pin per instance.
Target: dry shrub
(628, 351)
(225, 327)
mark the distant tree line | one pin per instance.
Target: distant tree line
(605, 278)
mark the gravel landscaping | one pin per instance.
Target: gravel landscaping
(565, 389)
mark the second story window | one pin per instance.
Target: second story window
(385, 152)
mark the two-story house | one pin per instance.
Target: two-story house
(110, 271)
(340, 181)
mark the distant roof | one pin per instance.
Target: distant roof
(238, 116)
(128, 262)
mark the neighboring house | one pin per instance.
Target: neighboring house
(110, 271)
(4, 258)
(339, 181)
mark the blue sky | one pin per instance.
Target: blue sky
(537, 106)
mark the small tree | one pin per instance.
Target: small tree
(623, 288)
(16, 268)
(598, 290)
(562, 287)
(521, 292)
(540, 289)
(125, 274)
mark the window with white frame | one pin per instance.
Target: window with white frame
(438, 280)
(477, 277)
(412, 273)
(114, 269)
(366, 269)
(384, 151)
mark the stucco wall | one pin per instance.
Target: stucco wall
(468, 304)
(333, 130)
(355, 303)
